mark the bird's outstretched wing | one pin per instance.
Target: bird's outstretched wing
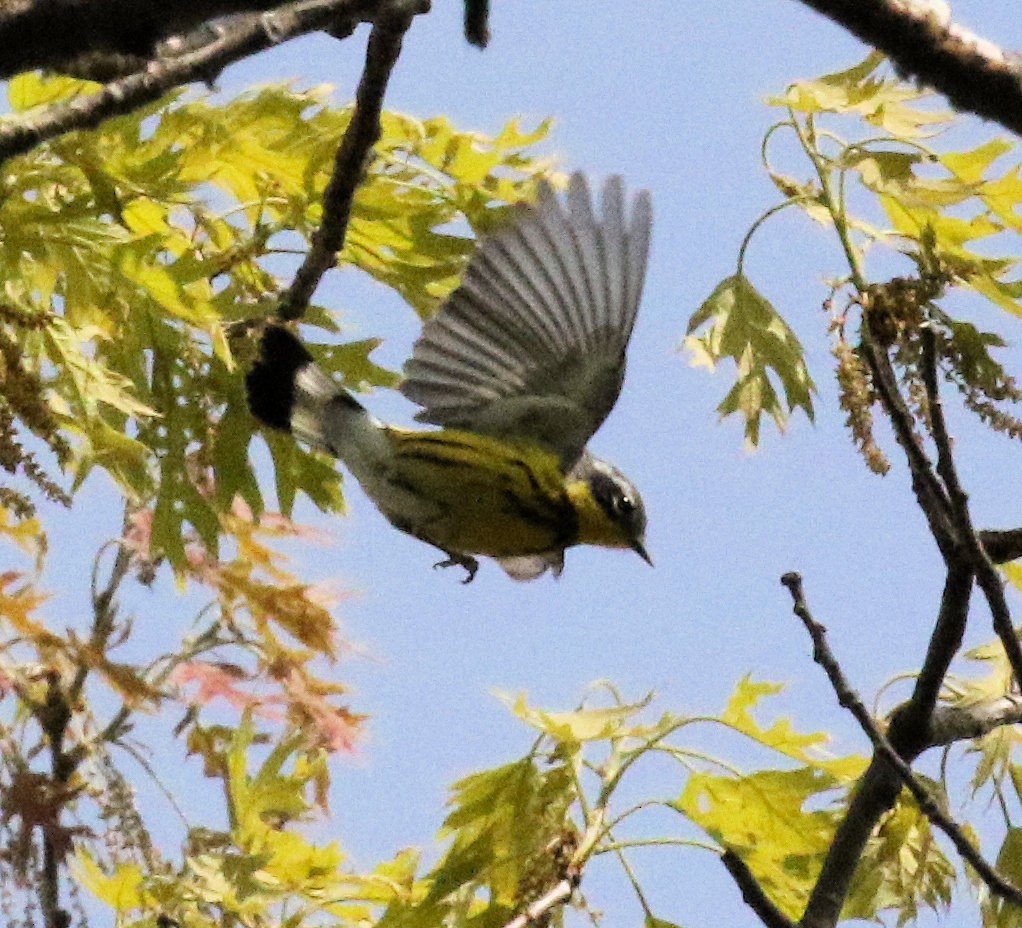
(532, 343)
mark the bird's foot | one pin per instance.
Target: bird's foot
(470, 564)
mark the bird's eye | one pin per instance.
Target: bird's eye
(624, 505)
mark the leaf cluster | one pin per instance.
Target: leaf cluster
(258, 648)
(948, 213)
(127, 250)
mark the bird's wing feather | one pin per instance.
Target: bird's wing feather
(532, 343)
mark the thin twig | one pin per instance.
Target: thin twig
(753, 894)
(848, 699)
(929, 493)
(104, 614)
(957, 497)
(362, 133)
(910, 734)
(252, 35)
(972, 72)
(986, 574)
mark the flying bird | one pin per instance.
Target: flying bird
(519, 367)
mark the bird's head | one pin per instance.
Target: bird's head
(609, 506)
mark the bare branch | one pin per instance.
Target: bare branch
(921, 40)
(47, 33)
(986, 574)
(753, 894)
(1002, 545)
(557, 895)
(362, 133)
(929, 493)
(910, 734)
(477, 22)
(54, 718)
(945, 641)
(963, 723)
(885, 753)
(122, 96)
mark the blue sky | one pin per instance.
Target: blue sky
(671, 97)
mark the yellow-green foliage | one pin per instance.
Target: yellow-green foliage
(125, 250)
(882, 181)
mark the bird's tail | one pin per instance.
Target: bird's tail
(287, 390)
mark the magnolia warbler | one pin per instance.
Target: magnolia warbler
(519, 367)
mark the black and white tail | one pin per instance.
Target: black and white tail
(288, 391)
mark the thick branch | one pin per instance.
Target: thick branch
(477, 22)
(963, 723)
(54, 717)
(752, 893)
(47, 33)
(122, 96)
(888, 771)
(913, 718)
(974, 74)
(1002, 545)
(362, 133)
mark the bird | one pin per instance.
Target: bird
(518, 368)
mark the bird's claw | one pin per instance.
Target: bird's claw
(470, 564)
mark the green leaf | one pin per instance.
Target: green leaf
(501, 830)
(882, 102)
(973, 358)
(998, 912)
(231, 464)
(32, 88)
(902, 867)
(583, 724)
(742, 325)
(781, 735)
(351, 361)
(773, 819)
(893, 172)
(296, 469)
(651, 921)
(972, 164)
(839, 91)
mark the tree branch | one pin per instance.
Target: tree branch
(929, 493)
(752, 892)
(986, 574)
(557, 895)
(913, 719)
(477, 22)
(54, 717)
(922, 42)
(1002, 545)
(964, 723)
(821, 910)
(244, 38)
(48, 33)
(362, 133)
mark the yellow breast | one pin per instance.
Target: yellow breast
(471, 494)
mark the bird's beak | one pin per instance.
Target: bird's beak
(639, 548)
